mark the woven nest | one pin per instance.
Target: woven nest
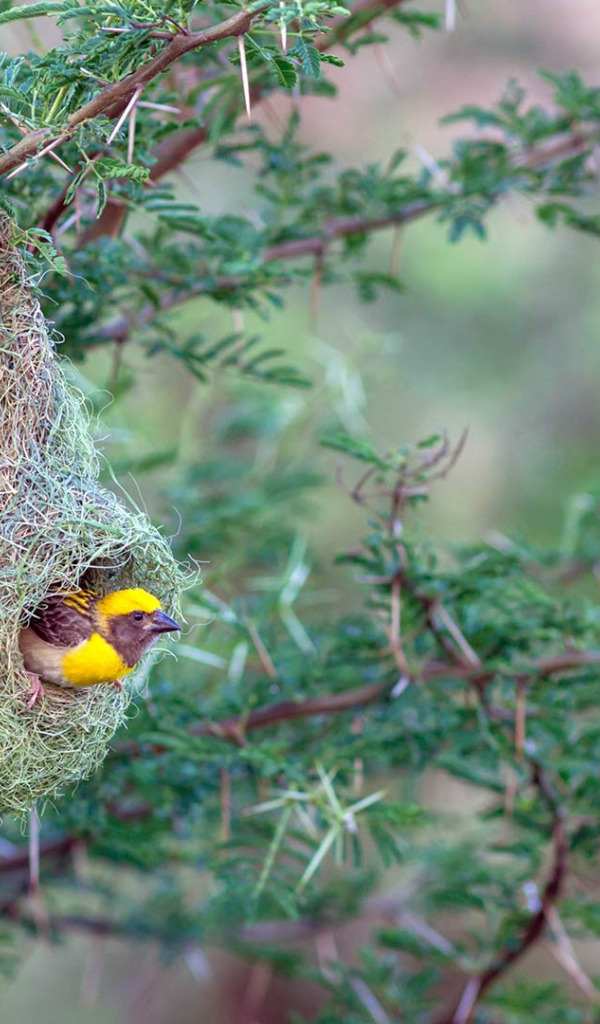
(57, 524)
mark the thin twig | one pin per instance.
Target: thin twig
(265, 658)
(515, 948)
(288, 710)
(459, 638)
(563, 951)
(520, 719)
(225, 805)
(316, 288)
(34, 851)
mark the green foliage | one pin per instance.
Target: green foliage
(33, 11)
(272, 775)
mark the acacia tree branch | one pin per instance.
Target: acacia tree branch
(234, 729)
(171, 153)
(174, 150)
(111, 100)
(462, 1011)
(287, 710)
(60, 850)
(363, 695)
(346, 227)
(122, 327)
(333, 229)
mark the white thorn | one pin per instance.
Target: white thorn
(244, 70)
(125, 114)
(131, 135)
(283, 30)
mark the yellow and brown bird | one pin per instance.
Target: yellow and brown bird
(81, 639)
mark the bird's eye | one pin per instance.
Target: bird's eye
(138, 616)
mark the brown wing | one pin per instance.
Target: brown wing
(64, 620)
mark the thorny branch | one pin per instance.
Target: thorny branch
(462, 662)
(457, 659)
(283, 711)
(455, 664)
(170, 154)
(333, 230)
(468, 665)
(462, 1011)
(361, 696)
(111, 100)
(121, 328)
(465, 663)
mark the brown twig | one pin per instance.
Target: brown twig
(288, 710)
(234, 729)
(225, 805)
(520, 718)
(341, 227)
(263, 654)
(332, 704)
(345, 227)
(462, 1012)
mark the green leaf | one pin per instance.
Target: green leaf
(369, 282)
(352, 447)
(7, 90)
(416, 21)
(285, 70)
(37, 10)
(107, 168)
(309, 57)
(332, 58)
(44, 244)
(413, 943)
(102, 197)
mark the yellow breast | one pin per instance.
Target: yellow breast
(91, 662)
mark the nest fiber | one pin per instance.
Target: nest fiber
(57, 524)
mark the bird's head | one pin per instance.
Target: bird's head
(133, 620)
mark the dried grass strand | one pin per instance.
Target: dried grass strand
(57, 524)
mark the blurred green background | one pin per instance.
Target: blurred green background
(500, 337)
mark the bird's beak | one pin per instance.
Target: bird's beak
(160, 622)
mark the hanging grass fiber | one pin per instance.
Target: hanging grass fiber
(57, 524)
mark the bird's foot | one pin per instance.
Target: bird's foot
(36, 689)
(118, 683)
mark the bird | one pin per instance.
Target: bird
(79, 638)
